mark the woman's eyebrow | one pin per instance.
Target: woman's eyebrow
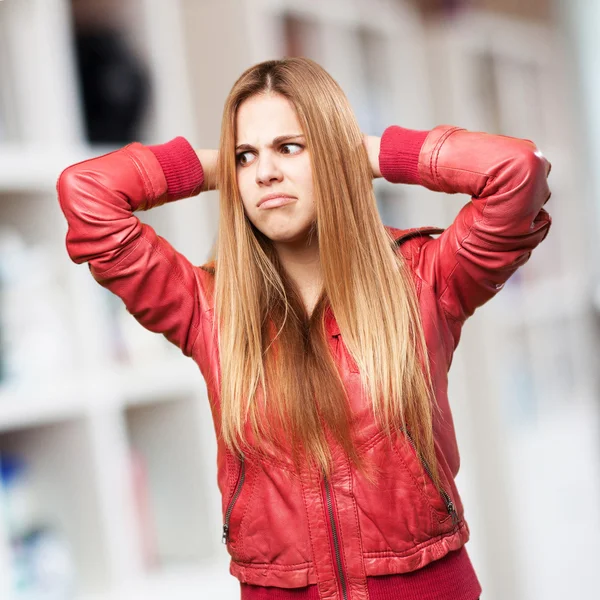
(278, 140)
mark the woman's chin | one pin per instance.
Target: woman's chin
(287, 236)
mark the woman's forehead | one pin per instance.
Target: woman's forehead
(262, 118)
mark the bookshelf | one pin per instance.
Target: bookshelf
(111, 422)
(92, 404)
(524, 369)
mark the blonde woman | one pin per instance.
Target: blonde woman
(324, 336)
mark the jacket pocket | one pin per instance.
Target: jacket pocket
(402, 508)
(447, 510)
(266, 498)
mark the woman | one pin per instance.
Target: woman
(324, 337)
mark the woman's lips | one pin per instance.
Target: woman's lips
(275, 202)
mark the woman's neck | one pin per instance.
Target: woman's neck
(303, 266)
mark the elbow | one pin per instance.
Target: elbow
(67, 186)
(72, 193)
(530, 172)
(540, 168)
(97, 209)
(537, 168)
(534, 163)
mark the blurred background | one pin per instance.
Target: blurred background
(107, 453)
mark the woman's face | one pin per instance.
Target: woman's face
(272, 159)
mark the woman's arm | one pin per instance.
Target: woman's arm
(98, 197)
(373, 144)
(208, 160)
(493, 234)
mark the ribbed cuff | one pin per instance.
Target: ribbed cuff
(181, 166)
(399, 154)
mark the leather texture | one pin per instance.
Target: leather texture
(280, 526)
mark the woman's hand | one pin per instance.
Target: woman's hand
(208, 160)
(372, 144)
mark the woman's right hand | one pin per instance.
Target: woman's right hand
(208, 159)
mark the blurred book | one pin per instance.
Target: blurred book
(139, 482)
(42, 562)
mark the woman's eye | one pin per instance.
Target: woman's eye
(297, 146)
(284, 149)
(240, 156)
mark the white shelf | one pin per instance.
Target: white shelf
(533, 303)
(173, 378)
(205, 580)
(35, 167)
(28, 404)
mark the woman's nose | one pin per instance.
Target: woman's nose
(267, 170)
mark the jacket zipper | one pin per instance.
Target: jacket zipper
(336, 543)
(233, 500)
(446, 498)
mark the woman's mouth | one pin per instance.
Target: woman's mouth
(276, 202)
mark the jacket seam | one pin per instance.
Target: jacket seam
(174, 270)
(310, 535)
(461, 170)
(273, 460)
(148, 186)
(436, 152)
(202, 314)
(362, 579)
(257, 565)
(372, 441)
(407, 553)
(198, 332)
(122, 259)
(372, 554)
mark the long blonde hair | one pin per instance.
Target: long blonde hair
(277, 371)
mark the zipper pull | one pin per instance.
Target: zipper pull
(452, 511)
(225, 533)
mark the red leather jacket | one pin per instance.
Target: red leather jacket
(279, 530)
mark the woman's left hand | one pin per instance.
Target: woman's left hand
(372, 144)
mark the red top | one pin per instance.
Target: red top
(450, 578)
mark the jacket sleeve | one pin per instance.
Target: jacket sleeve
(98, 197)
(493, 234)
